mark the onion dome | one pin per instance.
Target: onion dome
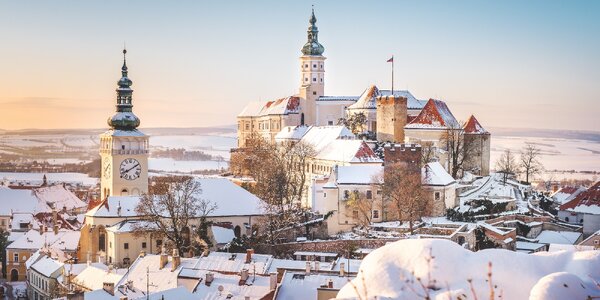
(312, 46)
(124, 119)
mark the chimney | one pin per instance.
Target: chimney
(307, 267)
(243, 276)
(317, 266)
(163, 258)
(342, 269)
(176, 261)
(54, 216)
(209, 278)
(55, 229)
(249, 253)
(272, 281)
(142, 253)
(109, 287)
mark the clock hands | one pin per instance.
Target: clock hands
(132, 168)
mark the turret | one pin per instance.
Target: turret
(312, 79)
(124, 119)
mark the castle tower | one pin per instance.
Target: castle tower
(312, 66)
(123, 148)
(391, 118)
(477, 141)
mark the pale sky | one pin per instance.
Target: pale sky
(526, 64)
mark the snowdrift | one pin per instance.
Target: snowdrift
(445, 269)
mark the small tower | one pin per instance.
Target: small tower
(477, 141)
(123, 148)
(312, 66)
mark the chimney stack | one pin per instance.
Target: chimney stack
(243, 276)
(54, 216)
(307, 267)
(176, 260)
(109, 287)
(272, 281)
(209, 278)
(342, 269)
(249, 253)
(56, 229)
(163, 258)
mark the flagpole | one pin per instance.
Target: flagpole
(392, 75)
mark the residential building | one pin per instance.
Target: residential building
(584, 209)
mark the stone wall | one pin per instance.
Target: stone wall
(391, 118)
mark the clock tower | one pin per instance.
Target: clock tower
(123, 148)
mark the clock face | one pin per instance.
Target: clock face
(130, 169)
(106, 169)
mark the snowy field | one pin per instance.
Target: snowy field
(557, 154)
(36, 178)
(184, 166)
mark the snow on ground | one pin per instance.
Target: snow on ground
(186, 166)
(210, 144)
(559, 154)
(388, 272)
(36, 178)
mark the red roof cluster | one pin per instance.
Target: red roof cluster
(591, 197)
(436, 114)
(473, 126)
(365, 152)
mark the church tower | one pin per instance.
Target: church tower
(123, 148)
(312, 66)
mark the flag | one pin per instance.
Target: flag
(391, 59)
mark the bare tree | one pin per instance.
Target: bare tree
(529, 161)
(360, 207)
(403, 194)
(459, 149)
(169, 206)
(428, 153)
(506, 164)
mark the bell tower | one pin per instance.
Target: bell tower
(123, 148)
(312, 66)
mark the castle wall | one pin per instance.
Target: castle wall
(391, 118)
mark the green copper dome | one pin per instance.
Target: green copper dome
(124, 119)
(312, 46)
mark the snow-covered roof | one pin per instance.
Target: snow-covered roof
(321, 136)
(567, 193)
(529, 246)
(367, 100)
(20, 201)
(46, 265)
(94, 275)
(230, 198)
(233, 262)
(434, 174)
(129, 226)
(337, 98)
(566, 247)
(411, 103)
(359, 174)
(22, 220)
(587, 202)
(301, 286)
(352, 151)
(435, 115)
(65, 240)
(520, 276)
(474, 127)
(115, 207)
(222, 235)
(283, 106)
(256, 287)
(58, 197)
(118, 132)
(558, 237)
(292, 133)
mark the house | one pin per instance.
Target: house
(592, 241)
(583, 209)
(478, 142)
(44, 276)
(440, 187)
(567, 193)
(310, 285)
(58, 240)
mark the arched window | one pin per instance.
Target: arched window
(237, 231)
(102, 242)
(14, 275)
(124, 192)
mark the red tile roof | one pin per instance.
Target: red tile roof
(435, 114)
(591, 197)
(473, 126)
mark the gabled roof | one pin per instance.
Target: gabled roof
(435, 115)
(115, 207)
(359, 174)
(320, 136)
(368, 99)
(292, 133)
(586, 202)
(474, 127)
(65, 240)
(282, 106)
(434, 174)
(21, 201)
(567, 193)
(59, 197)
(352, 151)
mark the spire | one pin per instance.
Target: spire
(312, 46)
(124, 119)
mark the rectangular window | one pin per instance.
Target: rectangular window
(314, 93)
(315, 79)
(437, 195)
(330, 123)
(126, 246)
(375, 214)
(346, 194)
(315, 66)
(324, 195)
(355, 214)
(16, 257)
(369, 195)
(378, 192)
(158, 243)
(144, 245)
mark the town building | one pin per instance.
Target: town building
(477, 143)
(584, 209)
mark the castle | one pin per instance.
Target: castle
(391, 115)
